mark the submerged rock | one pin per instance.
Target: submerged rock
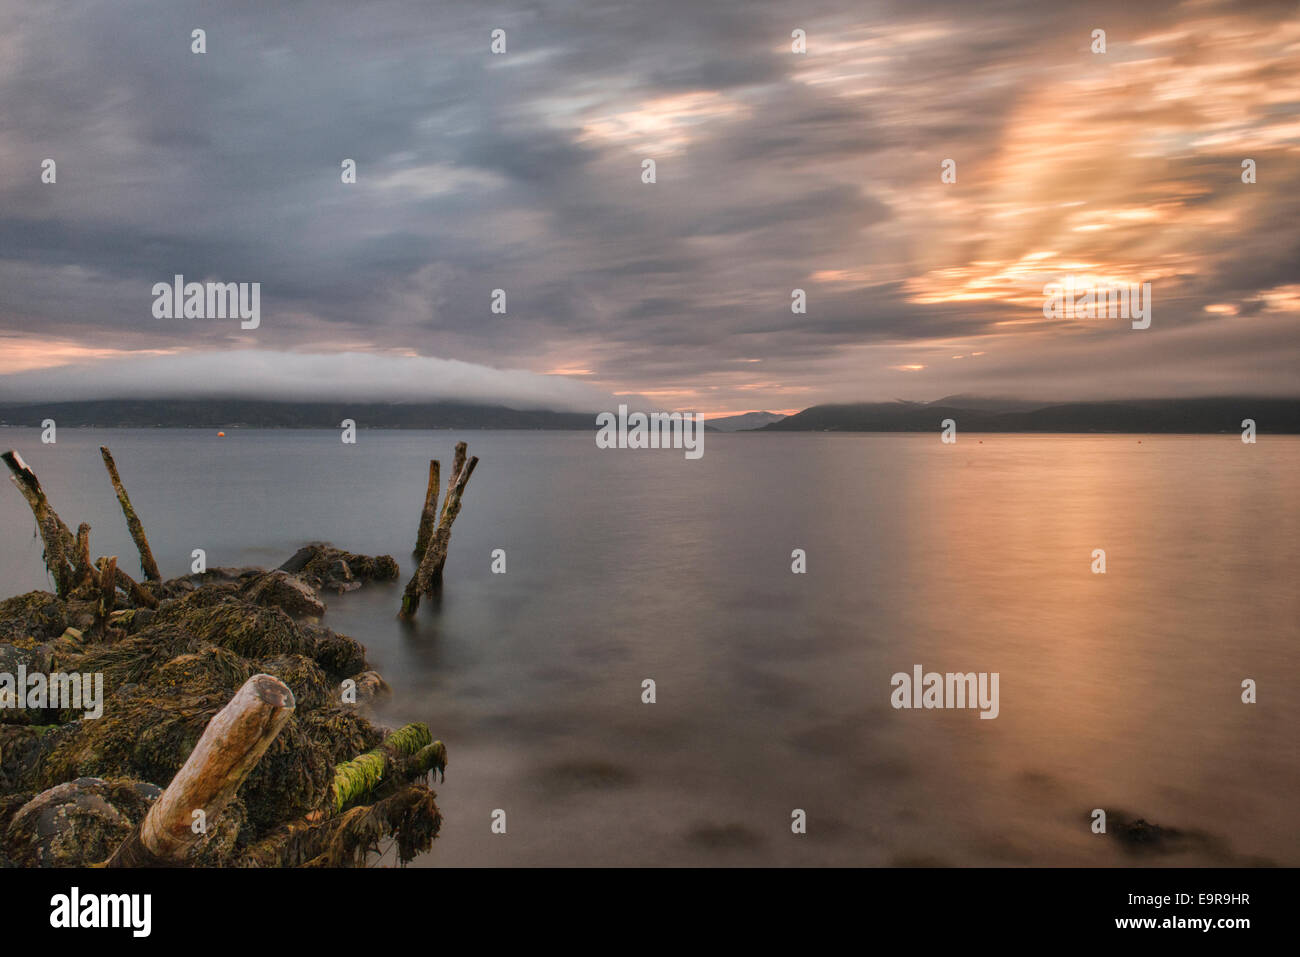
(1140, 838)
(370, 686)
(327, 568)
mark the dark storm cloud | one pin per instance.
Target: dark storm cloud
(522, 172)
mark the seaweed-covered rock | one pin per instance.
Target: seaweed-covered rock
(344, 731)
(23, 750)
(279, 589)
(200, 673)
(340, 656)
(144, 737)
(28, 654)
(291, 780)
(78, 822)
(30, 657)
(311, 689)
(246, 629)
(371, 686)
(327, 568)
(71, 790)
(10, 804)
(36, 615)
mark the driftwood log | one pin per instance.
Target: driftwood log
(231, 745)
(60, 546)
(147, 565)
(427, 579)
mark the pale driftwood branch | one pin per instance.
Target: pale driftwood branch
(231, 745)
(59, 543)
(429, 514)
(147, 565)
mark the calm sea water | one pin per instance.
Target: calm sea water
(1119, 690)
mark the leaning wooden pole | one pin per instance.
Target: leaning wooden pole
(60, 546)
(428, 573)
(231, 745)
(429, 514)
(457, 466)
(138, 592)
(147, 564)
(432, 570)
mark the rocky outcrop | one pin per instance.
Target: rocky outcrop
(326, 568)
(72, 790)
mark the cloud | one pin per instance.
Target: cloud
(775, 171)
(257, 374)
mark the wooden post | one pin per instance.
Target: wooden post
(231, 745)
(147, 565)
(442, 539)
(107, 592)
(139, 594)
(429, 515)
(457, 466)
(84, 572)
(59, 544)
(428, 574)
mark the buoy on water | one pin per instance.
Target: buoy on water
(221, 435)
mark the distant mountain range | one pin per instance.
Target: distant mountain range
(971, 413)
(991, 415)
(745, 422)
(253, 413)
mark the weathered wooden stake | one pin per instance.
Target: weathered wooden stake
(84, 573)
(442, 538)
(429, 515)
(428, 573)
(59, 543)
(107, 592)
(231, 745)
(457, 466)
(147, 564)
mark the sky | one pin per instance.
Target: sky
(774, 170)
